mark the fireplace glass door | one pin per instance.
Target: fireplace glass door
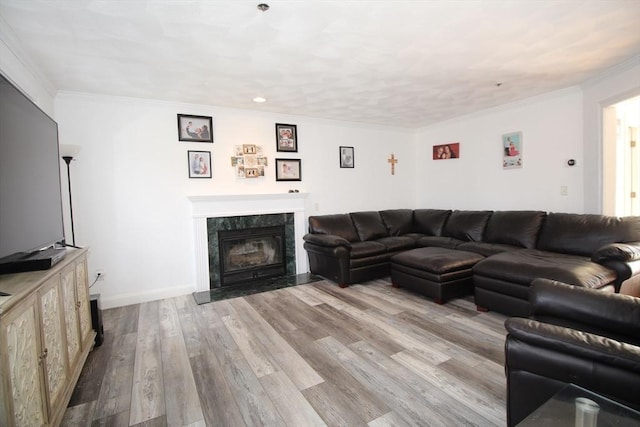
(251, 254)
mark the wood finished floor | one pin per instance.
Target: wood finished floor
(309, 355)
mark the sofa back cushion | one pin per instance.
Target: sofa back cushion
(584, 234)
(336, 225)
(369, 225)
(467, 226)
(398, 221)
(430, 221)
(515, 228)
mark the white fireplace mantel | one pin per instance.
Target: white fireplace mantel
(203, 207)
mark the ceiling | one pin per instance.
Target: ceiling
(398, 63)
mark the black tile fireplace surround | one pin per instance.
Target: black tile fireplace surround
(222, 225)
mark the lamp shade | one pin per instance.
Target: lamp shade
(67, 150)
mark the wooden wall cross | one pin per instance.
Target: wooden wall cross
(393, 162)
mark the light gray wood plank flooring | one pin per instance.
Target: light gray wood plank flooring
(310, 355)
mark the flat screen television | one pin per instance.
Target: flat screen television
(31, 221)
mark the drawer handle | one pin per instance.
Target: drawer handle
(43, 356)
(78, 304)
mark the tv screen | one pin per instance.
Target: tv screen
(30, 188)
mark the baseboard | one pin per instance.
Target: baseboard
(140, 297)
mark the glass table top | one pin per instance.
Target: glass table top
(574, 406)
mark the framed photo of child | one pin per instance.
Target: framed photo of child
(346, 157)
(512, 150)
(199, 164)
(288, 170)
(287, 138)
(195, 128)
(446, 151)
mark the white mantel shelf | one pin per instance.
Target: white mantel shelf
(246, 204)
(222, 205)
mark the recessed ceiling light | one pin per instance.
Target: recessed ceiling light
(263, 7)
(259, 99)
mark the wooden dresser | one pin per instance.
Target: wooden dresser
(45, 338)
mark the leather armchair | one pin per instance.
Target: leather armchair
(576, 335)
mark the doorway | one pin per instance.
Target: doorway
(621, 158)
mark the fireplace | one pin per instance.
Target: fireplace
(246, 237)
(251, 254)
(213, 213)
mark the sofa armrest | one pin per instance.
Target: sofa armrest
(624, 252)
(583, 345)
(623, 258)
(613, 315)
(327, 240)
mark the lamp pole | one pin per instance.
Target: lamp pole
(67, 160)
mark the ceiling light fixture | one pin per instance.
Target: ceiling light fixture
(263, 7)
(259, 99)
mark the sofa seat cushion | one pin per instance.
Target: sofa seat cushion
(524, 265)
(438, 241)
(486, 249)
(367, 249)
(397, 243)
(414, 236)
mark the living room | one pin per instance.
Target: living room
(130, 182)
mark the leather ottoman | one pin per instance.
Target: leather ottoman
(436, 272)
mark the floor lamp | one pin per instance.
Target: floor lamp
(68, 152)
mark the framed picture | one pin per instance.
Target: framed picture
(195, 128)
(254, 172)
(446, 151)
(346, 157)
(287, 137)
(288, 170)
(512, 150)
(199, 164)
(249, 149)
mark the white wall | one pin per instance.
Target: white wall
(130, 181)
(552, 133)
(618, 84)
(15, 65)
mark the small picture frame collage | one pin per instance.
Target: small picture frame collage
(199, 129)
(249, 161)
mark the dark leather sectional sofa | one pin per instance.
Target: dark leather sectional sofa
(591, 251)
(578, 336)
